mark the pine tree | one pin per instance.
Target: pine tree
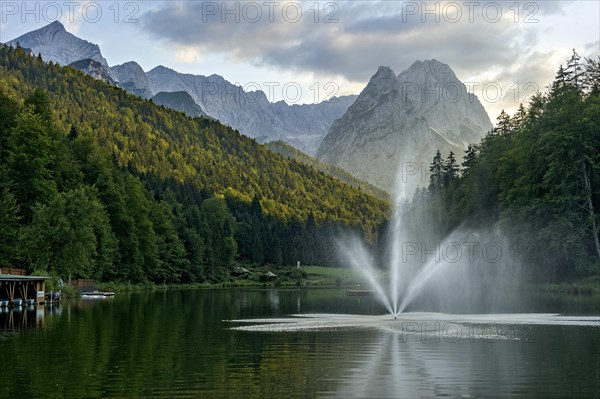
(591, 76)
(562, 77)
(519, 119)
(436, 169)
(450, 171)
(8, 113)
(469, 159)
(503, 126)
(172, 261)
(138, 208)
(573, 71)
(536, 107)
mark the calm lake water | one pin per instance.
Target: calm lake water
(179, 344)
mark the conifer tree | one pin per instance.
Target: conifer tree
(436, 169)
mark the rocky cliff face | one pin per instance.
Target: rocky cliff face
(59, 46)
(398, 123)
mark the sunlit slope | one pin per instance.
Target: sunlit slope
(149, 139)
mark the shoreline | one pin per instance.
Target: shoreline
(319, 277)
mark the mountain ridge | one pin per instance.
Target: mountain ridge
(301, 125)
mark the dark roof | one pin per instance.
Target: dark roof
(14, 277)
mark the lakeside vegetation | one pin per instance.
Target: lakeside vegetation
(287, 277)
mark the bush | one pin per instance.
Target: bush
(68, 291)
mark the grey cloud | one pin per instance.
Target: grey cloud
(366, 35)
(385, 23)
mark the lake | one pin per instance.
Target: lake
(190, 344)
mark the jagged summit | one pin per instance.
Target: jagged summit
(383, 70)
(161, 68)
(59, 46)
(382, 77)
(50, 29)
(434, 69)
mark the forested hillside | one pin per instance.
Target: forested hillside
(536, 175)
(99, 183)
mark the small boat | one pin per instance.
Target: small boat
(30, 302)
(17, 302)
(4, 303)
(359, 292)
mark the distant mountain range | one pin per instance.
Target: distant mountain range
(302, 126)
(395, 121)
(399, 122)
(251, 113)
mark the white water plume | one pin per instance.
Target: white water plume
(459, 265)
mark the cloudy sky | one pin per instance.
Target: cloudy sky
(306, 51)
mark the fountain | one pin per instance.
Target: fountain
(464, 253)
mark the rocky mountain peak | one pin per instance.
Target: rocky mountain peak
(53, 27)
(427, 72)
(403, 119)
(381, 86)
(382, 80)
(59, 46)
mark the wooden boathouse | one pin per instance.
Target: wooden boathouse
(19, 286)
